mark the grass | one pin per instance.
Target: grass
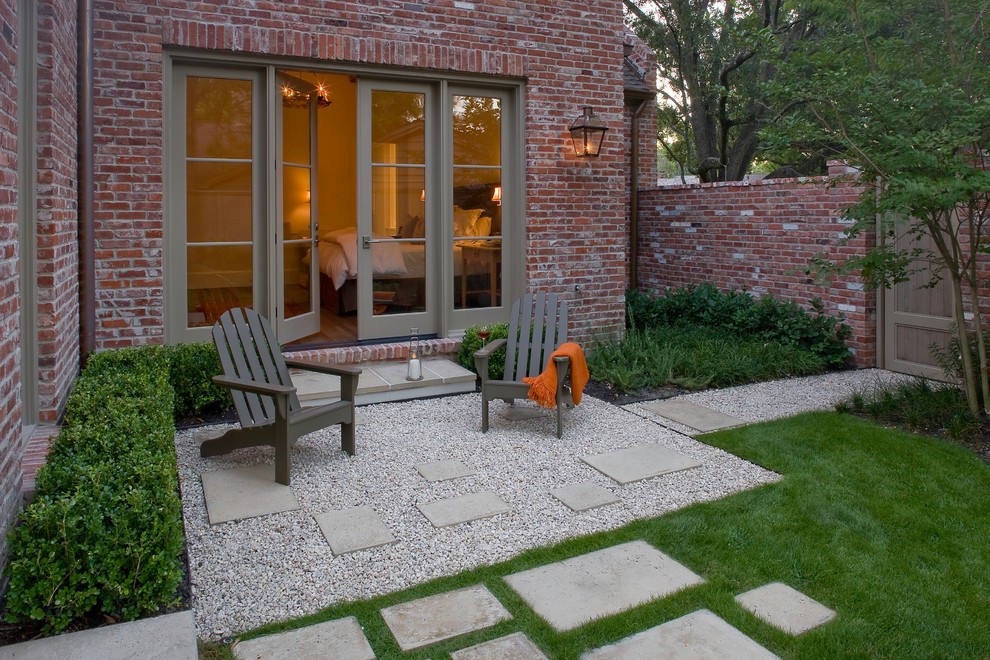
(887, 528)
(695, 358)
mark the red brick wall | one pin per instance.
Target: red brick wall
(11, 437)
(57, 227)
(569, 53)
(760, 236)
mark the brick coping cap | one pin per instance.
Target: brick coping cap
(377, 352)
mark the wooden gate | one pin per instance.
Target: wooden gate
(913, 319)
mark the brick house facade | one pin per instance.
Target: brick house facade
(572, 213)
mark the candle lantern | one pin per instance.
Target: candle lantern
(414, 365)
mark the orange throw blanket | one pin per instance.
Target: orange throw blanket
(543, 388)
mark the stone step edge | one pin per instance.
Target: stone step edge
(445, 347)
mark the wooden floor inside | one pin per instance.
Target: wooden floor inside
(334, 330)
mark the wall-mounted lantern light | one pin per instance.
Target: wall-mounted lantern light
(497, 196)
(587, 133)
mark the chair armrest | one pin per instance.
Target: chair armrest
(253, 386)
(488, 349)
(563, 364)
(332, 369)
(481, 357)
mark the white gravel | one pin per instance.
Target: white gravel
(280, 566)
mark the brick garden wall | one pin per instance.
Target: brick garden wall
(11, 436)
(57, 225)
(569, 53)
(760, 236)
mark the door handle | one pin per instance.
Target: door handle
(366, 242)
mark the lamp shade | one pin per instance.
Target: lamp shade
(587, 133)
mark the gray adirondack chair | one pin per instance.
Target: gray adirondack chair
(526, 353)
(264, 397)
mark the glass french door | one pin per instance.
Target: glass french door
(397, 269)
(232, 244)
(296, 268)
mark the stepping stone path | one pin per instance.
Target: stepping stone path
(436, 618)
(443, 470)
(786, 608)
(343, 636)
(697, 636)
(572, 592)
(640, 462)
(693, 416)
(245, 492)
(353, 529)
(584, 496)
(464, 508)
(511, 647)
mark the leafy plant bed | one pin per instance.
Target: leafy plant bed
(610, 394)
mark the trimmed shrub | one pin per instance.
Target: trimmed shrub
(104, 533)
(471, 342)
(192, 368)
(738, 313)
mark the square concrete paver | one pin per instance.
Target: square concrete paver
(435, 618)
(511, 647)
(786, 608)
(166, 637)
(350, 530)
(443, 470)
(690, 414)
(640, 462)
(342, 638)
(522, 413)
(585, 495)
(578, 590)
(464, 508)
(697, 636)
(245, 492)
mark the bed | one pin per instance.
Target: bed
(398, 267)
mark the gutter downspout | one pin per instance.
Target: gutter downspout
(86, 209)
(634, 202)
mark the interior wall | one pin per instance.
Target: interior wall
(337, 158)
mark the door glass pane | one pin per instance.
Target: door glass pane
(477, 125)
(295, 135)
(219, 198)
(477, 201)
(219, 278)
(297, 239)
(398, 202)
(218, 118)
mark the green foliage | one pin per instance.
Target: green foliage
(695, 358)
(920, 405)
(192, 369)
(104, 533)
(738, 314)
(471, 342)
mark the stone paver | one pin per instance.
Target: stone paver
(341, 639)
(245, 492)
(350, 530)
(697, 636)
(700, 418)
(167, 637)
(433, 619)
(640, 462)
(464, 508)
(786, 608)
(574, 591)
(584, 495)
(443, 470)
(511, 647)
(522, 413)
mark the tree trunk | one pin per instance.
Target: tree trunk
(969, 378)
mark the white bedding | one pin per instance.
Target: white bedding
(338, 258)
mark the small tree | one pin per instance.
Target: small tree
(905, 90)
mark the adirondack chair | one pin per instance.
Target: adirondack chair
(266, 402)
(526, 353)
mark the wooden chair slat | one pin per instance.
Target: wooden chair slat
(522, 351)
(540, 322)
(510, 346)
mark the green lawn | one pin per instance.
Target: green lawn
(889, 529)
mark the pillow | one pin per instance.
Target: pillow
(483, 226)
(464, 220)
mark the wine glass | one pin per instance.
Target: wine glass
(484, 334)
